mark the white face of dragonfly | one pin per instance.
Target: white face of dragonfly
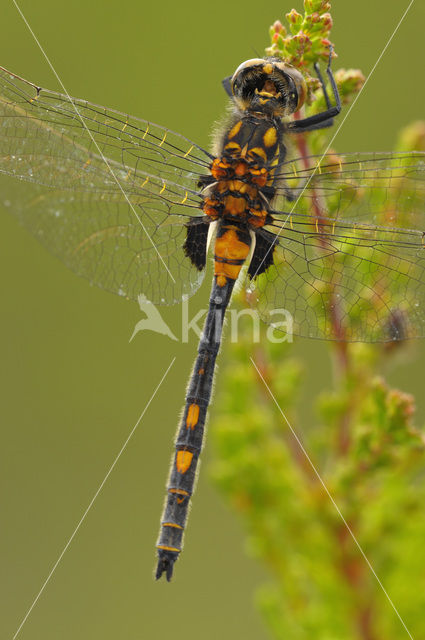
(269, 86)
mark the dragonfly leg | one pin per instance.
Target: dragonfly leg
(226, 82)
(322, 84)
(324, 118)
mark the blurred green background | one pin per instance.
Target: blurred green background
(72, 387)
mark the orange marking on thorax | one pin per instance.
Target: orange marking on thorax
(233, 145)
(219, 168)
(259, 176)
(235, 129)
(270, 137)
(257, 151)
(192, 416)
(209, 208)
(236, 186)
(183, 460)
(234, 206)
(236, 191)
(258, 217)
(241, 169)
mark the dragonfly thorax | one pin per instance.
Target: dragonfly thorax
(241, 176)
(237, 192)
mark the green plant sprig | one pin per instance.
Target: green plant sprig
(363, 443)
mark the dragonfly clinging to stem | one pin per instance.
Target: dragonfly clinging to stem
(337, 240)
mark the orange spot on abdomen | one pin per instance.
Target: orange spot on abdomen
(229, 247)
(183, 460)
(192, 416)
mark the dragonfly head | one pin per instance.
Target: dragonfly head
(268, 85)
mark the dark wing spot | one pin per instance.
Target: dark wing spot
(195, 246)
(262, 257)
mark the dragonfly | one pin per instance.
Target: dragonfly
(337, 240)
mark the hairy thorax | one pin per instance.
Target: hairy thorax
(242, 173)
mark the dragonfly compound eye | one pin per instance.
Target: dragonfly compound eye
(268, 85)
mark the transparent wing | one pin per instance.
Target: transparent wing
(376, 188)
(108, 193)
(349, 255)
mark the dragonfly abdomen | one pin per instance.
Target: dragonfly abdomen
(232, 246)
